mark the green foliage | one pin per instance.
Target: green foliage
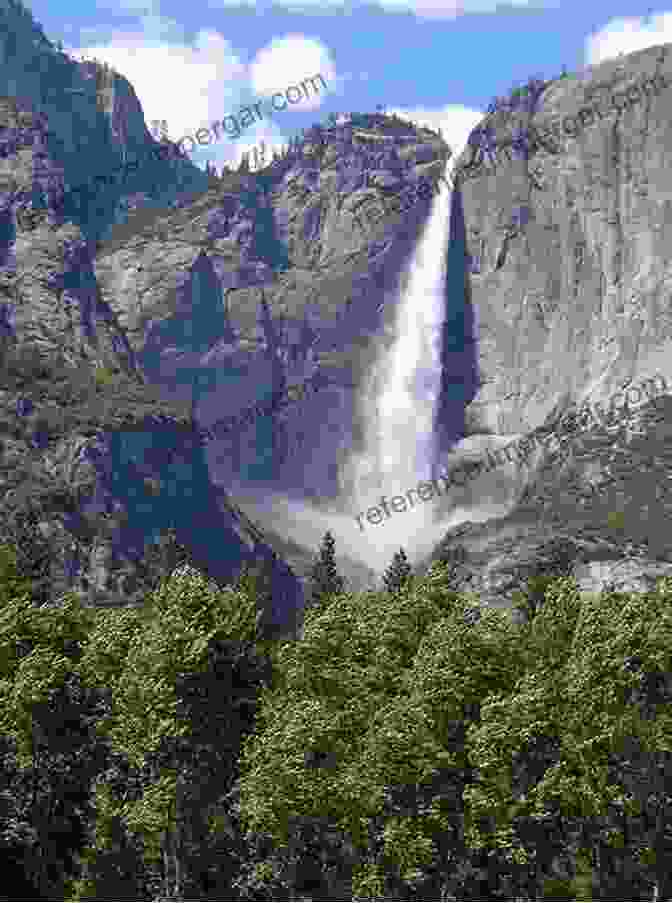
(39, 647)
(182, 674)
(554, 560)
(432, 702)
(324, 578)
(409, 744)
(104, 376)
(47, 721)
(255, 583)
(573, 715)
(12, 584)
(454, 557)
(113, 633)
(616, 520)
(398, 573)
(182, 617)
(372, 685)
(581, 886)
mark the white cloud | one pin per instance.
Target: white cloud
(627, 35)
(455, 122)
(291, 59)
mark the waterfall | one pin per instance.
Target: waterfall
(399, 443)
(399, 404)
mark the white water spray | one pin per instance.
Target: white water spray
(399, 444)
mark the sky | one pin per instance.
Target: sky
(436, 62)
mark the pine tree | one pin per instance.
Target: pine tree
(396, 576)
(555, 558)
(454, 556)
(255, 578)
(324, 577)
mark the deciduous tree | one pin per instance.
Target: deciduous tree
(362, 734)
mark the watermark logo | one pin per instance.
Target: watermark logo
(233, 125)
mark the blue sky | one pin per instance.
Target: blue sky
(436, 62)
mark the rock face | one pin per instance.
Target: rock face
(73, 396)
(74, 144)
(164, 304)
(305, 284)
(571, 292)
(572, 302)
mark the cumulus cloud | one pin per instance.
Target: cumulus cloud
(627, 35)
(294, 58)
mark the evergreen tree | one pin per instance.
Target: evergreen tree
(255, 579)
(454, 556)
(554, 558)
(397, 574)
(161, 558)
(324, 577)
(32, 551)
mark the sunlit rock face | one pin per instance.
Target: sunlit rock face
(568, 259)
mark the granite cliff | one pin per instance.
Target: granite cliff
(568, 258)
